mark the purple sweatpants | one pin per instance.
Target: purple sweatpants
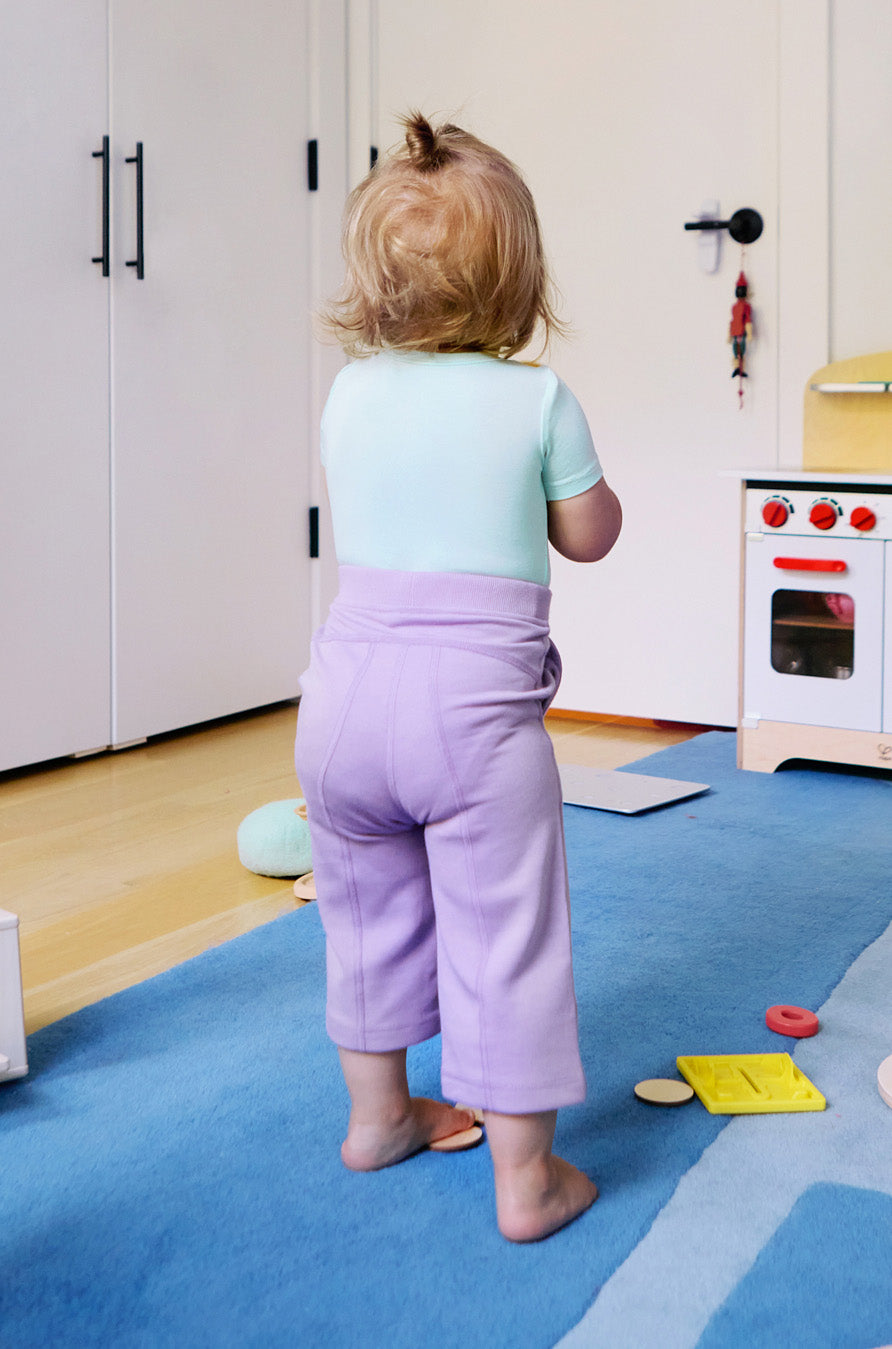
(434, 806)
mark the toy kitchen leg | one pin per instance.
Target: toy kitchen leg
(13, 1057)
(762, 746)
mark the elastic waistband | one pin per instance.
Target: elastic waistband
(442, 591)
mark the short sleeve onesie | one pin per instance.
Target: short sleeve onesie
(445, 462)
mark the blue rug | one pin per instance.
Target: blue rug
(169, 1171)
(828, 1220)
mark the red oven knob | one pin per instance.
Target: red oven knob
(863, 518)
(775, 513)
(823, 515)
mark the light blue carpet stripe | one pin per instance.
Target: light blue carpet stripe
(729, 1205)
(800, 1290)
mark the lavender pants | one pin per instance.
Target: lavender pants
(434, 806)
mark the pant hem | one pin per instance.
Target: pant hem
(383, 1041)
(513, 1100)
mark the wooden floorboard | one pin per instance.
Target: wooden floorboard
(125, 864)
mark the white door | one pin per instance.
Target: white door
(209, 359)
(625, 116)
(54, 646)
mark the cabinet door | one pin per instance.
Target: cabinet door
(813, 640)
(54, 643)
(210, 358)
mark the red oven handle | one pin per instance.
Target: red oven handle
(808, 564)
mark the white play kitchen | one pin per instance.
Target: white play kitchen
(13, 1048)
(816, 666)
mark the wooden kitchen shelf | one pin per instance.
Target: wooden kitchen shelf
(862, 386)
(830, 624)
(847, 416)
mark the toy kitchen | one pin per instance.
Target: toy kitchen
(816, 610)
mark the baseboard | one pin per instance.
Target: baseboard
(608, 719)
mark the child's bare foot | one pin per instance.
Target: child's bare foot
(539, 1199)
(536, 1192)
(375, 1143)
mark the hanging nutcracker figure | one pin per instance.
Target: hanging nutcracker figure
(740, 332)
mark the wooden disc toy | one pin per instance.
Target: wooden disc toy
(884, 1080)
(468, 1138)
(795, 1021)
(664, 1091)
(305, 886)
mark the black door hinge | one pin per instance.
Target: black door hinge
(314, 531)
(313, 166)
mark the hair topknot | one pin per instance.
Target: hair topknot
(428, 149)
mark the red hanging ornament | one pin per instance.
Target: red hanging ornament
(740, 331)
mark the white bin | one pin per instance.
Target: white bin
(13, 1057)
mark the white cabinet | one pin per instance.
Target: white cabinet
(210, 419)
(54, 489)
(817, 652)
(155, 568)
(813, 630)
(887, 653)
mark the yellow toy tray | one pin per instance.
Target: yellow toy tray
(749, 1084)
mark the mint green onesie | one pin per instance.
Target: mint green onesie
(444, 462)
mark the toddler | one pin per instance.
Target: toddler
(434, 801)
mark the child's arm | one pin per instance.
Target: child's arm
(584, 528)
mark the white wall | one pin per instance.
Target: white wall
(861, 182)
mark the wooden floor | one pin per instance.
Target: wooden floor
(125, 864)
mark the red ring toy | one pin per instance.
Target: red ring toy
(795, 1021)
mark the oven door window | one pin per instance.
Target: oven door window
(813, 633)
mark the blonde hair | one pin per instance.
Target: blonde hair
(443, 251)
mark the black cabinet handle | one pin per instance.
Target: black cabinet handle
(104, 156)
(139, 262)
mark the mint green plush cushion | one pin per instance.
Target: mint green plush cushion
(273, 841)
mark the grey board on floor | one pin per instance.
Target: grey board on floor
(626, 793)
